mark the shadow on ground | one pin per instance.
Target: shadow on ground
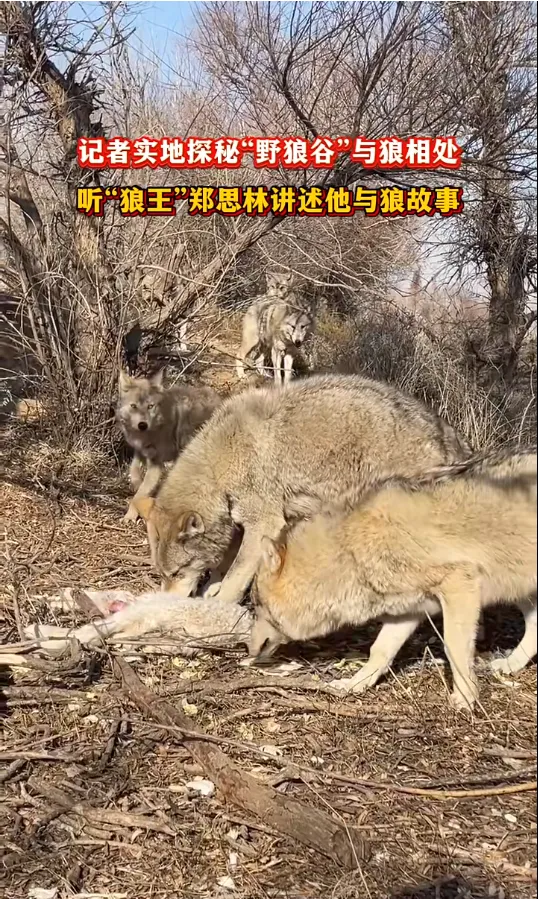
(446, 888)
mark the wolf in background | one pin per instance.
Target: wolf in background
(277, 323)
(158, 423)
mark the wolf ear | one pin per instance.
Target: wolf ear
(272, 555)
(298, 506)
(124, 382)
(144, 506)
(156, 380)
(191, 525)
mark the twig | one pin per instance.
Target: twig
(31, 755)
(499, 752)
(11, 769)
(527, 787)
(495, 777)
(17, 613)
(104, 816)
(110, 744)
(494, 859)
(268, 684)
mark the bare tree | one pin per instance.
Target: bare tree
(90, 288)
(66, 283)
(492, 50)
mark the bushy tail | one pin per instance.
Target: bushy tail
(480, 463)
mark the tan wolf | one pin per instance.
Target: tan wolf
(278, 323)
(332, 434)
(456, 542)
(158, 423)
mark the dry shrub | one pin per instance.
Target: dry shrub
(391, 345)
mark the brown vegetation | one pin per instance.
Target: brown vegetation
(93, 792)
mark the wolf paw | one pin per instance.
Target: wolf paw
(349, 685)
(131, 514)
(341, 683)
(213, 589)
(462, 703)
(364, 680)
(505, 665)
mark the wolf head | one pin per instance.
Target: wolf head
(279, 285)
(266, 635)
(297, 326)
(139, 407)
(183, 546)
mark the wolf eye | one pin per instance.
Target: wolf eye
(150, 406)
(133, 405)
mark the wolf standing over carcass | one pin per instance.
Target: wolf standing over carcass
(331, 434)
(278, 323)
(158, 423)
(457, 541)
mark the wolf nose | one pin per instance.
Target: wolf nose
(142, 425)
(297, 342)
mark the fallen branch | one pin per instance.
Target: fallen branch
(12, 769)
(31, 755)
(309, 826)
(106, 816)
(500, 752)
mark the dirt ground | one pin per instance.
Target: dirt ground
(74, 749)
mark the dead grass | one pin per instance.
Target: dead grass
(109, 757)
(433, 363)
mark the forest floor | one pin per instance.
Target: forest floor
(443, 800)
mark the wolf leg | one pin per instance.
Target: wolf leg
(219, 573)
(245, 356)
(276, 359)
(240, 574)
(148, 485)
(392, 636)
(288, 367)
(460, 599)
(260, 364)
(136, 469)
(526, 648)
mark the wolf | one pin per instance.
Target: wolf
(333, 434)
(278, 323)
(158, 423)
(457, 540)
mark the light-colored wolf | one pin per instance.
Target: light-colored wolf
(158, 423)
(332, 434)
(278, 323)
(457, 542)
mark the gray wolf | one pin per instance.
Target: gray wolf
(186, 622)
(158, 423)
(278, 323)
(456, 540)
(331, 434)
